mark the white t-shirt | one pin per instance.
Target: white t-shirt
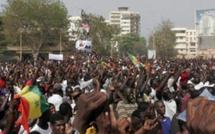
(40, 130)
(170, 107)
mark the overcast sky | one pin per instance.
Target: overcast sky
(180, 12)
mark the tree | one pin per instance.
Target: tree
(132, 43)
(2, 37)
(101, 34)
(140, 47)
(163, 40)
(35, 22)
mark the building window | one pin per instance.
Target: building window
(192, 44)
(192, 50)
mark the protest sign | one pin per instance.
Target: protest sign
(84, 45)
(55, 56)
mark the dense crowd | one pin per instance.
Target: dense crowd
(92, 94)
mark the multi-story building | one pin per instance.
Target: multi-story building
(186, 42)
(127, 21)
(192, 43)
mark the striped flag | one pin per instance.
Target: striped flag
(134, 60)
(32, 105)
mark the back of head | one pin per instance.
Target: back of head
(167, 95)
(143, 106)
(58, 89)
(56, 117)
(65, 109)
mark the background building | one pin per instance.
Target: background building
(127, 21)
(186, 42)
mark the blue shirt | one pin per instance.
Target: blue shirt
(166, 125)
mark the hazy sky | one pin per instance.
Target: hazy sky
(180, 12)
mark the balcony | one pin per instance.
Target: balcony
(180, 35)
(181, 40)
(181, 46)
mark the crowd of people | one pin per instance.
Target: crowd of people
(92, 94)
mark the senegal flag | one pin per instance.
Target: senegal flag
(134, 60)
(32, 105)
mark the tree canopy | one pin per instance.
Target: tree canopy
(2, 37)
(132, 43)
(101, 34)
(163, 40)
(38, 21)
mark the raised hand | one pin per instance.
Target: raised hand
(89, 106)
(200, 116)
(123, 125)
(103, 123)
(148, 125)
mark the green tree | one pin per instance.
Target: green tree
(101, 34)
(36, 22)
(132, 43)
(163, 40)
(140, 47)
(2, 37)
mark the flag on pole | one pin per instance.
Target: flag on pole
(32, 105)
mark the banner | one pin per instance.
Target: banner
(205, 22)
(84, 45)
(55, 56)
(151, 54)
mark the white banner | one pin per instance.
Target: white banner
(84, 45)
(151, 54)
(55, 56)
